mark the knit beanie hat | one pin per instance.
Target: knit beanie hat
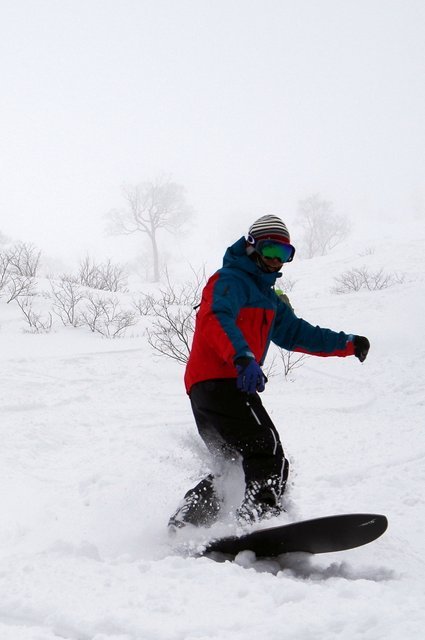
(268, 228)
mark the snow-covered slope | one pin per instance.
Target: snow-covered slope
(98, 446)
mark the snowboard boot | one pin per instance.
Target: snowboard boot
(199, 507)
(261, 501)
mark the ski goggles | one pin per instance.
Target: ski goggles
(271, 249)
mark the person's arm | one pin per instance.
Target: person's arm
(295, 334)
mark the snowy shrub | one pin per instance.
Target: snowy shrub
(360, 278)
(24, 260)
(18, 269)
(37, 323)
(104, 316)
(105, 276)
(173, 312)
(4, 270)
(144, 305)
(19, 286)
(283, 361)
(67, 296)
(291, 361)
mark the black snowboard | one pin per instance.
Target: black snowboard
(321, 535)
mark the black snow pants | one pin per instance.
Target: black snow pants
(230, 421)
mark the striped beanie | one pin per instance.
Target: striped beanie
(268, 228)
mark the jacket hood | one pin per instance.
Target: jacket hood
(236, 258)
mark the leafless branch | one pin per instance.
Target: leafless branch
(19, 285)
(173, 313)
(36, 322)
(291, 360)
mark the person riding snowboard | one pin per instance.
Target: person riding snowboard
(239, 315)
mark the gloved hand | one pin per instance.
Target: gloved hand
(250, 376)
(361, 347)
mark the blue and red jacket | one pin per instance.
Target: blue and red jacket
(240, 314)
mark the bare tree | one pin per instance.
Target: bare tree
(151, 206)
(322, 228)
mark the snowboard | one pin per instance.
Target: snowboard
(320, 535)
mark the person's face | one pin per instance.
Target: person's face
(272, 264)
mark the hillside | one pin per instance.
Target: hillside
(99, 445)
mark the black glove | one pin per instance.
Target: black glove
(250, 376)
(361, 347)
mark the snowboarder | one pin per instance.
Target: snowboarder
(240, 313)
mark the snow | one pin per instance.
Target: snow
(99, 445)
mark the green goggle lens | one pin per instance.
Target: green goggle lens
(276, 250)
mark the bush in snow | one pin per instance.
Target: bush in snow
(19, 286)
(291, 360)
(67, 296)
(360, 278)
(105, 276)
(144, 305)
(104, 316)
(24, 259)
(4, 271)
(18, 269)
(77, 307)
(283, 361)
(37, 322)
(20, 259)
(173, 313)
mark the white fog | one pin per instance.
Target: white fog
(251, 106)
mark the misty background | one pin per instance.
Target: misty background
(251, 105)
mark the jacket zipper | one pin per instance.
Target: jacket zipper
(268, 334)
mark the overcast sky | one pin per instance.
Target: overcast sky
(252, 105)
